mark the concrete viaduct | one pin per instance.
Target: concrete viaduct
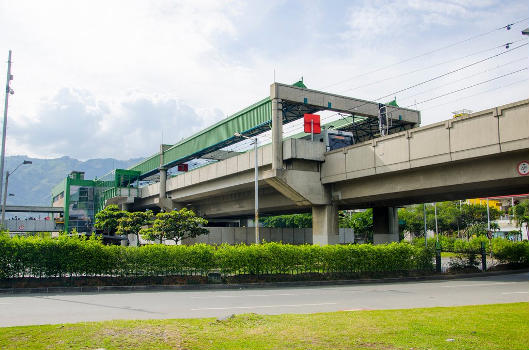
(474, 156)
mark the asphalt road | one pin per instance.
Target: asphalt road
(32, 309)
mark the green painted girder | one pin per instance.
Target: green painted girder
(251, 121)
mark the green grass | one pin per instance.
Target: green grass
(448, 255)
(499, 326)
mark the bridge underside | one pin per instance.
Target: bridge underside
(476, 178)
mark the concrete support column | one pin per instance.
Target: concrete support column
(325, 224)
(163, 183)
(126, 206)
(277, 134)
(162, 200)
(385, 225)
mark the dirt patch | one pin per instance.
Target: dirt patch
(136, 335)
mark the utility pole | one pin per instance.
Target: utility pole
(425, 228)
(436, 229)
(9, 91)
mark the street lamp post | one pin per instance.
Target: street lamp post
(5, 190)
(256, 185)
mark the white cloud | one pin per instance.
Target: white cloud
(74, 122)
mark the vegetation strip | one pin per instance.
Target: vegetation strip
(499, 326)
(72, 257)
(97, 289)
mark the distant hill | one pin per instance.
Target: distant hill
(32, 183)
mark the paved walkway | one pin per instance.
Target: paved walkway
(59, 308)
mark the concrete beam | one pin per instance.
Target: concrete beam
(339, 103)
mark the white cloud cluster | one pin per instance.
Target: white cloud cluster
(75, 123)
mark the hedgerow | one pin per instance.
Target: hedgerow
(70, 256)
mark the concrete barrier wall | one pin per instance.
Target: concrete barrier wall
(246, 235)
(492, 131)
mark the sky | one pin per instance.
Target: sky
(96, 79)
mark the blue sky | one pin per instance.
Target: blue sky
(108, 78)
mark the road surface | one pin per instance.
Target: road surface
(30, 309)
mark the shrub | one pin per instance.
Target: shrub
(511, 252)
(73, 256)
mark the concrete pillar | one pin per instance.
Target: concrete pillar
(125, 206)
(325, 224)
(385, 225)
(277, 134)
(163, 183)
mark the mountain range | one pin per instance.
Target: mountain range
(31, 184)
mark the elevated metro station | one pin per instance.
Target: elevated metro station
(382, 165)
(82, 198)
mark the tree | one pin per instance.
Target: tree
(107, 219)
(176, 225)
(521, 213)
(476, 215)
(450, 218)
(133, 223)
(360, 222)
(289, 221)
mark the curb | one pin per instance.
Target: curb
(143, 288)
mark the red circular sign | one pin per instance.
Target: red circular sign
(523, 168)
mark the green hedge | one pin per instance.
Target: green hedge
(508, 251)
(504, 250)
(65, 256)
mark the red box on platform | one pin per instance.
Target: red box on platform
(312, 120)
(183, 167)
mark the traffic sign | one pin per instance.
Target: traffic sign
(523, 168)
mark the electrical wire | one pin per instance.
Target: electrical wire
(464, 78)
(430, 67)
(429, 52)
(451, 72)
(467, 87)
(474, 95)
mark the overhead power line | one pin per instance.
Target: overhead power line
(507, 26)
(450, 72)
(506, 45)
(478, 94)
(468, 87)
(464, 78)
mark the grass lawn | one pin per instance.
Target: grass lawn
(499, 326)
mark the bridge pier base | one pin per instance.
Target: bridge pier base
(385, 225)
(325, 224)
